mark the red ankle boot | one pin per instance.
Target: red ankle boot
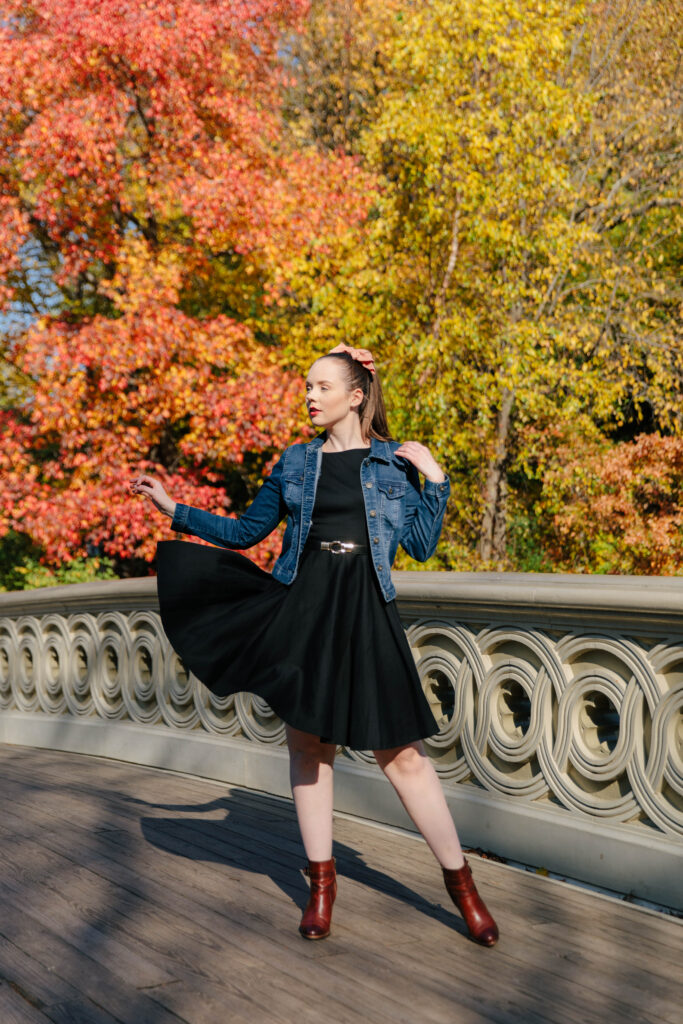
(463, 892)
(315, 924)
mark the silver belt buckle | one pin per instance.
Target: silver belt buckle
(337, 547)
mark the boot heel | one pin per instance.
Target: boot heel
(462, 890)
(315, 923)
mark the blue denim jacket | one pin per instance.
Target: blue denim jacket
(397, 511)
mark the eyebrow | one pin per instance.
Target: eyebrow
(308, 381)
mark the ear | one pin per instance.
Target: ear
(357, 398)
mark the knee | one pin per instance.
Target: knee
(405, 761)
(310, 760)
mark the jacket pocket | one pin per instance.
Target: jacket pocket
(292, 489)
(392, 499)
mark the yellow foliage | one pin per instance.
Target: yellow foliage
(525, 186)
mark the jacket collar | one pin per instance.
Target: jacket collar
(380, 450)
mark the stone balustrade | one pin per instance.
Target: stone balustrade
(559, 701)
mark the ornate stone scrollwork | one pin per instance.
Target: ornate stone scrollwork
(592, 722)
(175, 688)
(112, 666)
(51, 682)
(28, 664)
(452, 672)
(145, 664)
(587, 720)
(657, 776)
(216, 714)
(82, 658)
(363, 756)
(257, 719)
(9, 646)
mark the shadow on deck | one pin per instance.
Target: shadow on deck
(139, 896)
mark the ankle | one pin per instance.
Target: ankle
(320, 858)
(453, 863)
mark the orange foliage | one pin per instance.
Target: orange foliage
(143, 160)
(621, 510)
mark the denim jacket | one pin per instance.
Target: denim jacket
(397, 511)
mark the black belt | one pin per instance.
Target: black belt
(342, 547)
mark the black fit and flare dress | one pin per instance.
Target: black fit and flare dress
(326, 652)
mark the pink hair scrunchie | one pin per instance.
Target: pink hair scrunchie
(361, 354)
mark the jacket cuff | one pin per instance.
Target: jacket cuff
(180, 517)
(441, 489)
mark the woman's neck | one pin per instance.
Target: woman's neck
(341, 442)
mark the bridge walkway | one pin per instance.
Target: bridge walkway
(139, 896)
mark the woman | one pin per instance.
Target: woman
(320, 638)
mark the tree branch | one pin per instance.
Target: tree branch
(640, 210)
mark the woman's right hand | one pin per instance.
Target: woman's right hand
(154, 490)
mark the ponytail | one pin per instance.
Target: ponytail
(371, 411)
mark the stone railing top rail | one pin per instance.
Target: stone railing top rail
(541, 597)
(653, 601)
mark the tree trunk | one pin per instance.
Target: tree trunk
(440, 297)
(492, 540)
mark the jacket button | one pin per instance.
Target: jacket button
(369, 483)
(376, 540)
(391, 489)
(379, 567)
(373, 513)
(301, 477)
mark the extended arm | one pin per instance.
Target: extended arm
(260, 518)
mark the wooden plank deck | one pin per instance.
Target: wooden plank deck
(140, 896)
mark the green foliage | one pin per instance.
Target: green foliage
(526, 550)
(21, 567)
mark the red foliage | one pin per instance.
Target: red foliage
(145, 162)
(621, 510)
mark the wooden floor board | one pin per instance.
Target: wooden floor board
(146, 897)
(247, 936)
(78, 1011)
(15, 1009)
(90, 979)
(58, 1001)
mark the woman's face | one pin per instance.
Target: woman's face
(327, 398)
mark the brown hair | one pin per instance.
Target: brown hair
(372, 411)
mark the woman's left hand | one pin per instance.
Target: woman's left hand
(422, 459)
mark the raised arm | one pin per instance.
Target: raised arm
(424, 515)
(425, 508)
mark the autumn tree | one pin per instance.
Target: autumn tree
(627, 164)
(150, 206)
(619, 509)
(518, 267)
(339, 65)
(467, 233)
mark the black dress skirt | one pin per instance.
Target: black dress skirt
(327, 652)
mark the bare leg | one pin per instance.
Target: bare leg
(412, 775)
(311, 766)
